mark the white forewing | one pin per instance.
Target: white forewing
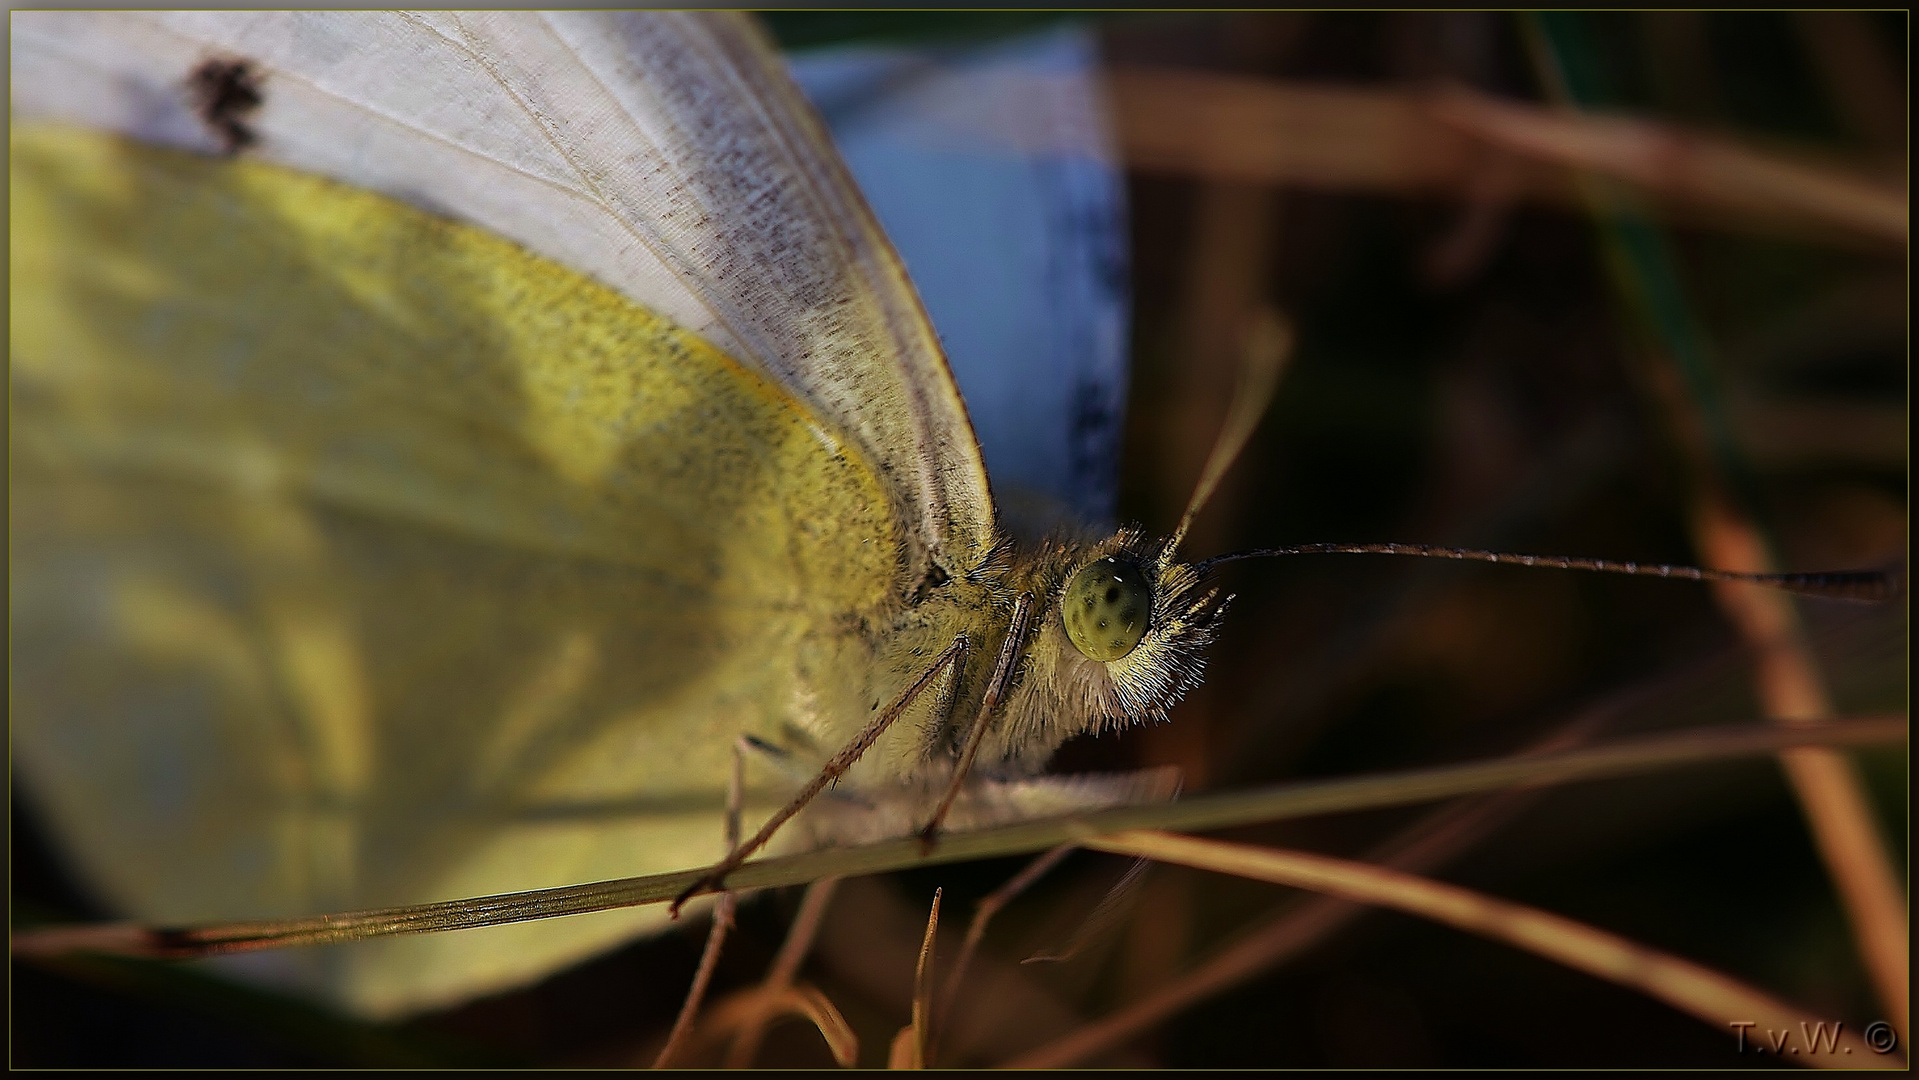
(995, 173)
(665, 154)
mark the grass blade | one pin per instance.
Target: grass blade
(1300, 799)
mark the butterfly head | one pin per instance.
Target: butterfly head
(1120, 636)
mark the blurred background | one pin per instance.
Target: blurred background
(1620, 285)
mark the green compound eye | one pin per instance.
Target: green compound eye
(1106, 607)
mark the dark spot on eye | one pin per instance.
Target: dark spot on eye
(1112, 594)
(226, 92)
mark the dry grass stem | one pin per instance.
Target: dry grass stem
(784, 970)
(870, 942)
(1709, 995)
(1222, 810)
(1790, 687)
(677, 1038)
(753, 1009)
(909, 1049)
(982, 915)
(1413, 142)
(1338, 138)
(899, 1055)
(1829, 788)
(1107, 914)
(1430, 842)
(923, 986)
(1679, 165)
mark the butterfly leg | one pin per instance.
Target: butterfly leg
(952, 659)
(722, 919)
(989, 705)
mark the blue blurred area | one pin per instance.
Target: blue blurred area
(993, 170)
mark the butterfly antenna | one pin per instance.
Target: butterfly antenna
(722, 920)
(1268, 345)
(1868, 586)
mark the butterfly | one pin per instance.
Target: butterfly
(421, 489)
(202, 133)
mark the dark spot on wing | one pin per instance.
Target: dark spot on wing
(226, 93)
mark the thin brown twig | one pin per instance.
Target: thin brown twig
(1284, 936)
(1683, 165)
(983, 914)
(1106, 914)
(1414, 142)
(1791, 688)
(909, 1046)
(755, 1005)
(1431, 841)
(785, 969)
(1830, 790)
(1709, 995)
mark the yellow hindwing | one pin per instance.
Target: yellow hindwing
(362, 558)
